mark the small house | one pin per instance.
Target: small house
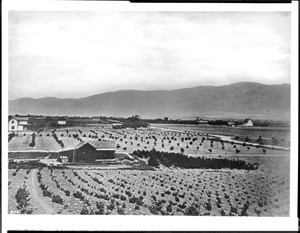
(95, 118)
(61, 121)
(231, 124)
(18, 124)
(248, 123)
(117, 125)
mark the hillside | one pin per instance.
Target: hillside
(244, 99)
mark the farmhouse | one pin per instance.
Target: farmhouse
(18, 124)
(248, 123)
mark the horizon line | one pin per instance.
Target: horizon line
(147, 90)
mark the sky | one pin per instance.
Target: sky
(78, 54)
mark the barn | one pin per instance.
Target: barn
(91, 151)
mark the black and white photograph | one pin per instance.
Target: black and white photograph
(137, 112)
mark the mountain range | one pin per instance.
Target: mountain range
(243, 99)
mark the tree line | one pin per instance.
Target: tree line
(155, 158)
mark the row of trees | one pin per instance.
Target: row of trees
(32, 143)
(155, 158)
(60, 142)
(11, 135)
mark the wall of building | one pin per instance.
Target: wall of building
(13, 125)
(88, 153)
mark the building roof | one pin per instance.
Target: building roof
(24, 123)
(99, 145)
(21, 118)
(246, 120)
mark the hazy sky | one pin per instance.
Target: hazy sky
(77, 54)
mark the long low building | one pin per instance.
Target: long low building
(76, 151)
(90, 151)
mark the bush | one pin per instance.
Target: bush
(22, 198)
(192, 210)
(100, 208)
(120, 211)
(207, 206)
(57, 199)
(47, 193)
(84, 211)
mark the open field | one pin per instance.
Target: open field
(263, 192)
(282, 133)
(126, 189)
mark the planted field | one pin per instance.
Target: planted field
(282, 133)
(221, 192)
(169, 189)
(22, 143)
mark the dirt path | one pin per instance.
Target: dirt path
(47, 209)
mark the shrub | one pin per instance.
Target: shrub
(57, 199)
(100, 208)
(47, 193)
(120, 211)
(22, 198)
(84, 211)
(192, 210)
(207, 206)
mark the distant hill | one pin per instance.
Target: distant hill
(244, 99)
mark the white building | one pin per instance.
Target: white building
(231, 124)
(18, 124)
(61, 122)
(248, 123)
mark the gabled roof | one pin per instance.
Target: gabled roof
(99, 145)
(246, 120)
(21, 118)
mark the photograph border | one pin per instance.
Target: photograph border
(150, 223)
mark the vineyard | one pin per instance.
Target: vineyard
(227, 179)
(129, 140)
(222, 192)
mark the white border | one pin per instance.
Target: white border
(77, 222)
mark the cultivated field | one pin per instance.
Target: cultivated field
(160, 191)
(263, 192)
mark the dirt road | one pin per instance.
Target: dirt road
(46, 208)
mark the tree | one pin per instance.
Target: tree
(259, 140)
(247, 139)
(153, 160)
(275, 140)
(182, 150)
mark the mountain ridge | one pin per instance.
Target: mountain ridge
(242, 98)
